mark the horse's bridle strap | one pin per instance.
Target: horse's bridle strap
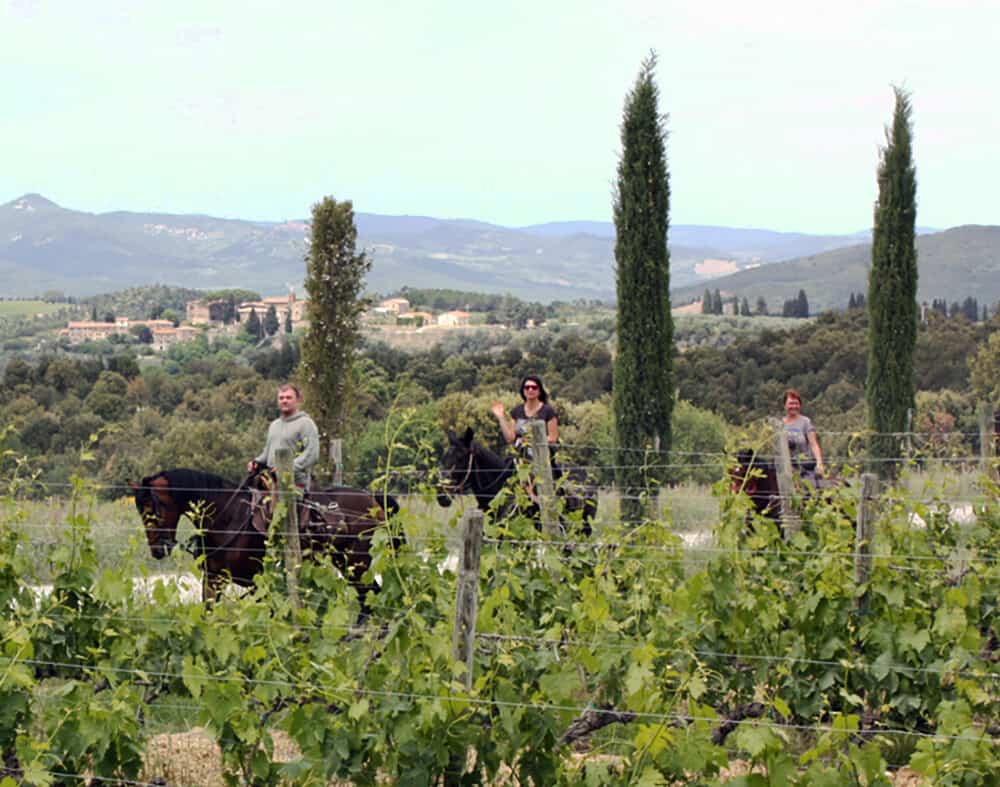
(468, 472)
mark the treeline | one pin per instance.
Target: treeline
(113, 416)
(712, 302)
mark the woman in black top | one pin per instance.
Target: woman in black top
(535, 407)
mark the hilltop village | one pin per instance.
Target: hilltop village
(221, 316)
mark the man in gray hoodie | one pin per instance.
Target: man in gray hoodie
(294, 430)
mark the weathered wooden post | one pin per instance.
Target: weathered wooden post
(987, 444)
(864, 536)
(463, 637)
(337, 460)
(541, 466)
(288, 523)
(909, 434)
(790, 523)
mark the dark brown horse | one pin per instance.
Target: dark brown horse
(757, 477)
(232, 521)
(471, 468)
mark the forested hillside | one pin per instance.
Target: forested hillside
(110, 413)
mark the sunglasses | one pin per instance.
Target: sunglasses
(530, 387)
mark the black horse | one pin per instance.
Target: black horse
(232, 521)
(469, 467)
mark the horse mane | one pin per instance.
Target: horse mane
(747, 457)
(490, 456)
(187, 485)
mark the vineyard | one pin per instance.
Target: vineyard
(633, 657)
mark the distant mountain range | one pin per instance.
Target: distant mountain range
(44, 246)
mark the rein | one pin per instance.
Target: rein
(468, 471)
(196, 544)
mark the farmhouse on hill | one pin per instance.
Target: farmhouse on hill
(79, 331)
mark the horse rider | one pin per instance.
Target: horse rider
(295, 431)
(516, 426)
(802, 441)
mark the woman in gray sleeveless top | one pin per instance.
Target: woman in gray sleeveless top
(802, 441)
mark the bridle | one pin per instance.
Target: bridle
(196, 545)
(165, 537)
(460, 486)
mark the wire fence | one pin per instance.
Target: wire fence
(350, 691)
(677, 554)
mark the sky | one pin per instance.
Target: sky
(503, 112)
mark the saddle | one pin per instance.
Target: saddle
(316, 518)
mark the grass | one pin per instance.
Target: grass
(119, 539)
(115, 529)
(20, 309)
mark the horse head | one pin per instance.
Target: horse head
(159, 512)
(456, 466)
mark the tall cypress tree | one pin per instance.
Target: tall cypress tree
(271, 323)
(643, 370)
(802, 305)
(892, 292)
(253, 324)
(717, 302)
(334, 280)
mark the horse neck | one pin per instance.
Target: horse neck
(199, 491)
(489, 472)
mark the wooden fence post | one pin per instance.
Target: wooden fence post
(864, 536)
(288, 524)
(790, 523)
(463, 639)
(909, 434)
(987, 444)
(337, 460)
(542, 470)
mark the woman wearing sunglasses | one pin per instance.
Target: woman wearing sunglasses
(535, 407)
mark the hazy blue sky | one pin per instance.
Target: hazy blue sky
(506, 112)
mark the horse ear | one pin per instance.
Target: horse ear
(467, 437)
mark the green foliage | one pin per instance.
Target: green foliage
(755, 622)
(984, 369)
(253, 325)
(892, 291)
(270, 323)
(334, 280)
(643, 369)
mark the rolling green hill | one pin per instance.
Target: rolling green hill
(953, 265)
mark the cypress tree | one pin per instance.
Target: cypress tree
(706, 302)
(271, 323)
(253, 324)
(643, 369)
(892, 292)
(802, 309)
(761, 305)
(716, 302)
(334, 280)
(745, 308)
